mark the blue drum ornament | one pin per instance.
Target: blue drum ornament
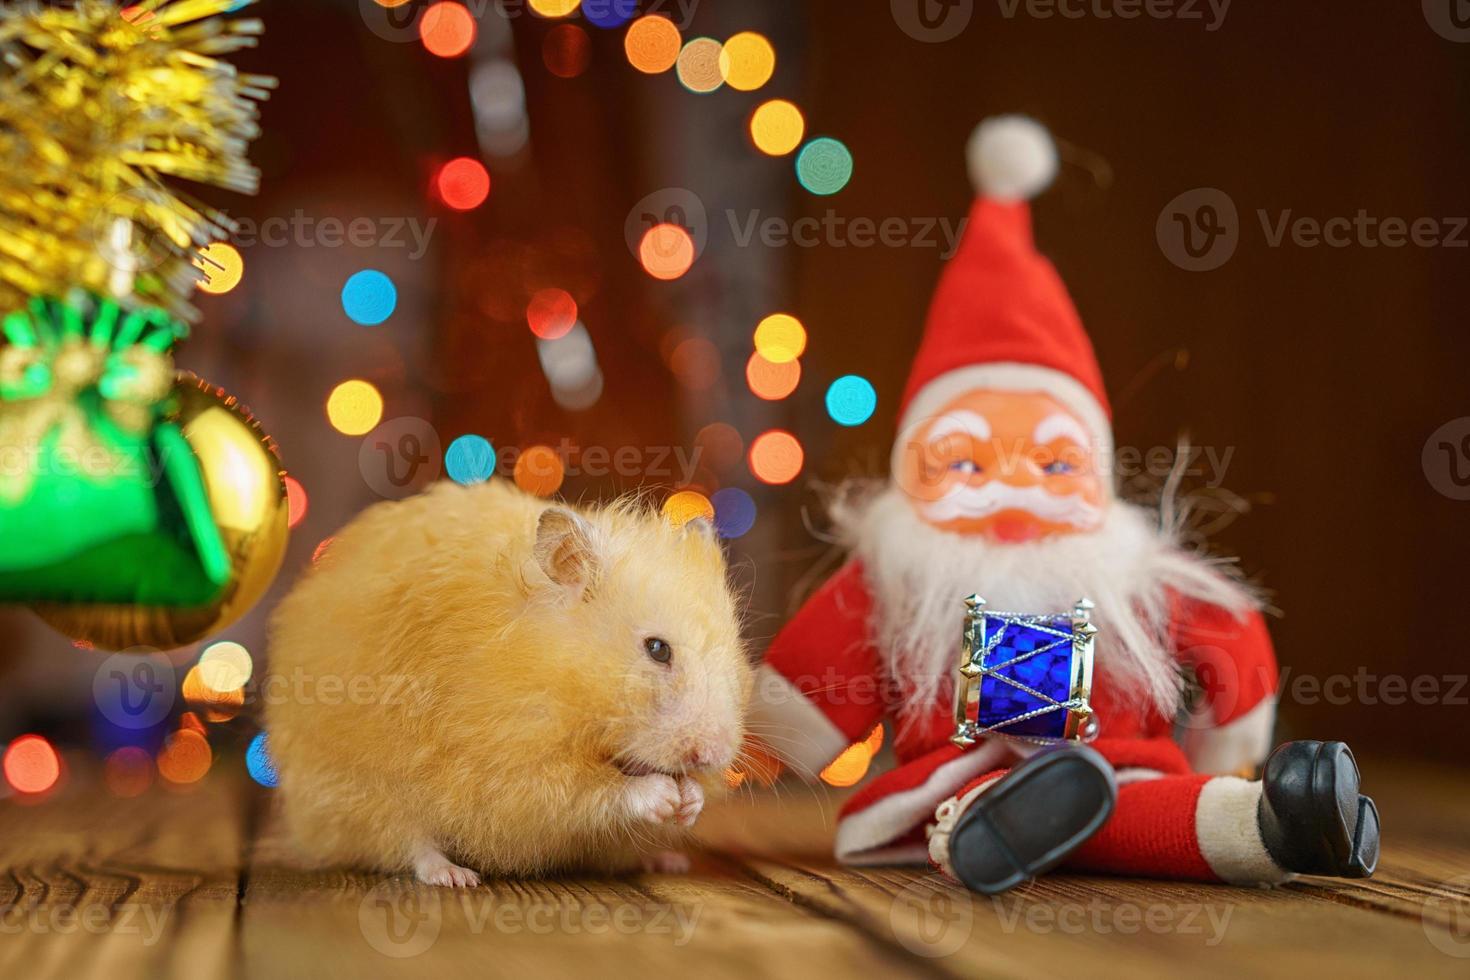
(1025, 677)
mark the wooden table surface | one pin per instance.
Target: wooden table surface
(199, 884)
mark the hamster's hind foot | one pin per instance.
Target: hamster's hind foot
(666, 863)
(433, 868)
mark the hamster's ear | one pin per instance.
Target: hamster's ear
(565, 549)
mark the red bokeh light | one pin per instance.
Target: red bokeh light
(463, 183)
(447, 29)
(551, 313)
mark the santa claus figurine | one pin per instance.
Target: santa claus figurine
(1001, 489)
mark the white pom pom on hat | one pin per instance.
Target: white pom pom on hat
(1011, 158)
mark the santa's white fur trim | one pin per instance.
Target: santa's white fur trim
(1233, 748)
(1007, 376)
(1011, 158)
(889, 818)
(791, 726)
(1229, 833)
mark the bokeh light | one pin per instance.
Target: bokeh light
(609, 13)
(776, 127)
(198, 692)
(824, 166)
(463, 183)
(31, 764)
(185, 757)
(552, 313)
(320, 551)
(369, 297)
(390, 4)
(776, 457)
(128, 771)
(258, 762)
(222, 266)
(699, 65)
(666, 251)
(853, 764)
(695, 363)
(851, 400)
(565, 50)
(554, 8)
(540, 471)
(686, 506)
(734, 512)
(297, 502)
(652, 44)
(469, 459)
(780, 337)
(447, 29)
(355, 407)
(769, 380)
(719, 445)
(225, 666)
(747, 61)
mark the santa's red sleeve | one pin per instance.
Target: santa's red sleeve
(1229, 728)
(820, 688)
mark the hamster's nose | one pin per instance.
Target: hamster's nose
(702, 757)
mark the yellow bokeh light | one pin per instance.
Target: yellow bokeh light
(780, 338)
(354, 408)
(686, 506)
(699, 65)
(555, 8)
(776, 127)
(747, 61)
(222, 266)
(225, 667)
(652, 44)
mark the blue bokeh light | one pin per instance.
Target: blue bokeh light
(734, 512)
(470, 459)
(258, 762)
(609, 13)
(369, 297)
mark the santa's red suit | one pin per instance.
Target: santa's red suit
(1001, 319)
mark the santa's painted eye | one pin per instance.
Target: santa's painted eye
(659, 649)
(966, 466)
(1058, 466)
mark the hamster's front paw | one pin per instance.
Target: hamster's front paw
(654, 798)
(433, 868)
(691, 801)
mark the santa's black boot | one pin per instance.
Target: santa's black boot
(1313, 819)
(1030, 819)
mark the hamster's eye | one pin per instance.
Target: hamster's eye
(659, 649)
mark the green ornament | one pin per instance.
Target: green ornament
(101, 498)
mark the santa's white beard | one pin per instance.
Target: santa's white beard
(1128, 567)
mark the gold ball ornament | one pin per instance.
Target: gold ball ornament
(246, 490)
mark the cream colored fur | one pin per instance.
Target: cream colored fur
(497, 699)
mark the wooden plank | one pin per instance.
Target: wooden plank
(717, 921)
(144, 887)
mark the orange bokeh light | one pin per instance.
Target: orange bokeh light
(666, 251)
(185, 757)
(31, 764)
(447, 29)
(552, 313)
(696, 363)
(321, 550)
(540, 471)
(463, 183)
(652, 44)
(770, 380)
(852, 765)
(565, 50)
(297, 503)
(776, 457)
(128, 771)
(720, 445)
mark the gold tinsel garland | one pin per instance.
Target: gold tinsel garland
(98, 104)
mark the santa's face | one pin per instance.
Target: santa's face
(1012, 465)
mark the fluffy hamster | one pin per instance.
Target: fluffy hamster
(478, 677)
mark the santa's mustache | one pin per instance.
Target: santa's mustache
(971, 502)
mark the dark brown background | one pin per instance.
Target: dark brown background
(1324, 370)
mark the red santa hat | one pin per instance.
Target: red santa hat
(1001, 317)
